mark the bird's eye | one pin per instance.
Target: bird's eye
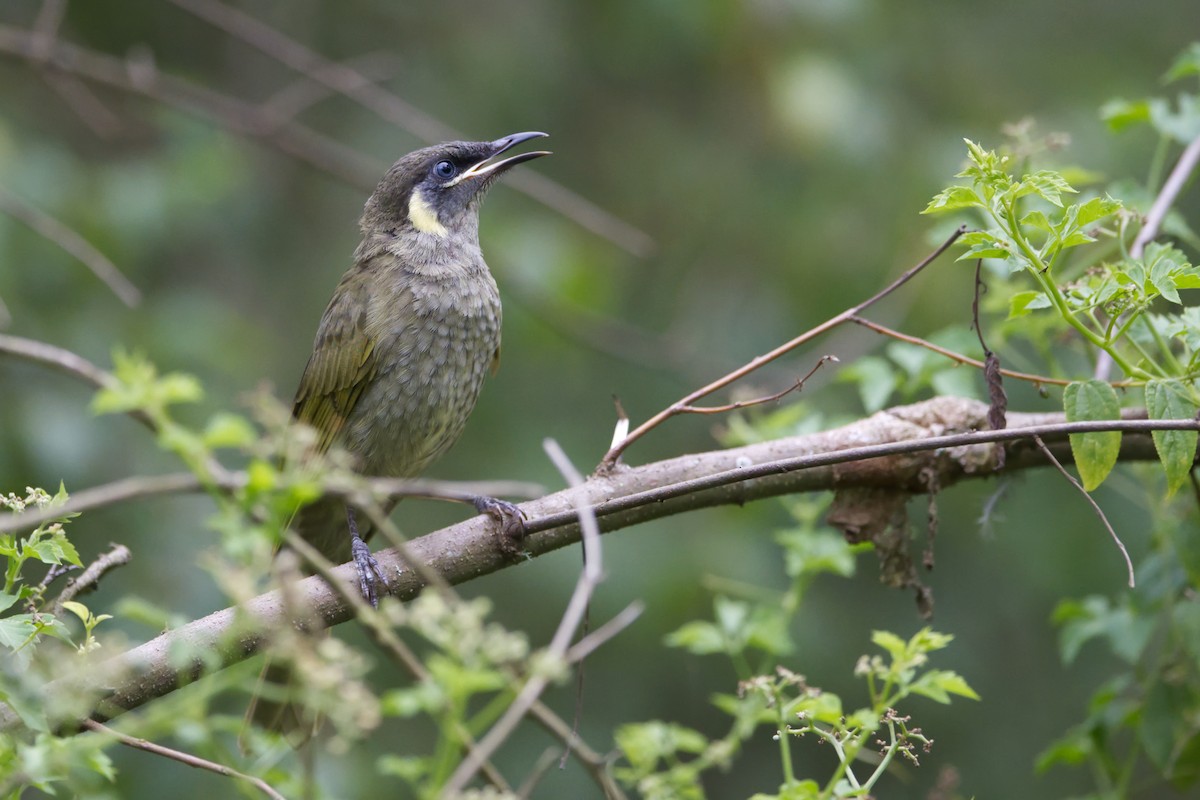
(445, 169)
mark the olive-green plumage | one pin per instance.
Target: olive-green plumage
(413, 327)
(403, 347)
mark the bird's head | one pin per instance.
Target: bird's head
(437, 190)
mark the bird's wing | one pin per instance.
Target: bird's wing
(342, 364)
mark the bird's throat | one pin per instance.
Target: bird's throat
(423, 216)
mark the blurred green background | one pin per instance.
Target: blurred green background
(777, 152)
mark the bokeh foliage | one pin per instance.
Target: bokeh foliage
(777, 152)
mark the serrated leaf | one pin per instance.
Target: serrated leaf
(1046, 184)
(1095, 453)
(893, 644)
(951, 198)
(1074, 239)
(1022, 303)
(1037, 219)
(1176, 449)
(1096, 208)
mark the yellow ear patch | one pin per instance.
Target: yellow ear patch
(423, 216)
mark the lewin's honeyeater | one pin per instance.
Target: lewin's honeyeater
(412, 329)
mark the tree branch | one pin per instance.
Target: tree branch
(894, 448)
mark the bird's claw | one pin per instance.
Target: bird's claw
(512, 523)
(370, 575)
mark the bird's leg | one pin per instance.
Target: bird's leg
(370, 574)
(511, 519)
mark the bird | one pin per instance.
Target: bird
(401, 353)
(411, 332)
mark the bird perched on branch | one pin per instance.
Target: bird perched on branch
(402, 350)
(408, 337)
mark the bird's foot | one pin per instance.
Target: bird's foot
(511, 521)
(370, 575)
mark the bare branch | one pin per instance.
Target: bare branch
(892, 458)
(758, 401)
(1171, 188)
(57, 358)
(611, 457)
(577, 606)
(242, 118)
(118, 555)
(349, 487)
(58, 233)
(183, 758)
(962, 359)
(1092, 502)
(348, 81)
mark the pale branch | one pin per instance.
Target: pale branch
(1171, 188)
(117, 555)
(182, 757)
(572, 618)
(351, 83)
(759, 401)
(144, 79)
(1043, 380)
(348, 487)
(894, 449)
(66, 362)
(612, 457)
(73, 243)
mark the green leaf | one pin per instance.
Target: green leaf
(1022, 303)
(15, 630)
(953, 197)
(1186, 63)
(938, 685)
(1120, 114)
(7, 600)
(893, 644)
(1096, 208)
(1176, 449)
(1095, 453)
(1046, 184)
(228, 430)
(699, 637)
(876, 380)
(808, 552)
(56, 549)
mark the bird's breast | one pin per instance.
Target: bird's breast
(433, 353)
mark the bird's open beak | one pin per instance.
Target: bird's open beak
(489, 167)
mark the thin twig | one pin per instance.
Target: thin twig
(611, 457)
(348, 487)
(962, 359)
(183, 758)
(1171, 188)
(54, 231)
(591, 575)
(351, 83)
(383, 636)
(758, 401)
(57, 358)
(1091, 501)
(297, 141)
(543, 765)
(590, 643)
(118, 555)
